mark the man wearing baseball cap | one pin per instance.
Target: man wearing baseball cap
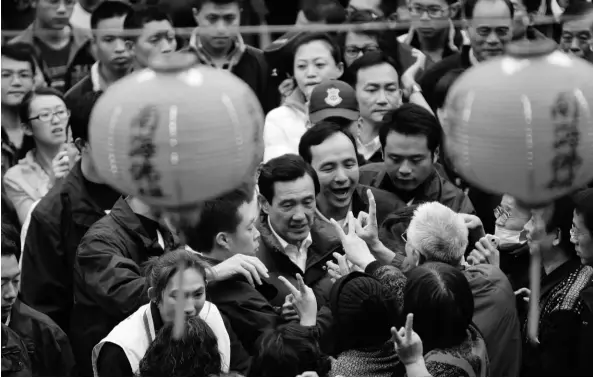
(335, 101)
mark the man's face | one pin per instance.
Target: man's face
(54, 14)
(221, 22)
(17, 80)
(428, 16)
(408, 160)
(292, 209)
(194, 291)
(490, 29)
(245, 239)
(377, 91)
(577, 37)
(158, 37)
(336, 165)
(110, 45)
(356, 45)
(11, 281)
(536, 233)
(581, 237)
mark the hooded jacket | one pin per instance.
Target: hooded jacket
(80, 58)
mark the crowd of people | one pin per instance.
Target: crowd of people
(357, 250)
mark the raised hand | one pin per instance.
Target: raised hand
(338, 270)
(288, 311)
(484, 253)
(304, 301)
(367, 227)
(357, 251)
(407, 342)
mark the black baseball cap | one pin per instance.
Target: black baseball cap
(333, 98)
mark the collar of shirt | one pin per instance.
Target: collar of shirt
(231, 60)
(300, 257)
(369, 149)
(342, 222)
(7, 319)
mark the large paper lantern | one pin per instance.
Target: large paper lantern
(522, 124)
(177, 134)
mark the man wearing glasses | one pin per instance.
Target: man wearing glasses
(490, 29)
(432, 30)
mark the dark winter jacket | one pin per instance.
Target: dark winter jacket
(315, 275)
(435, 188)
(48, 346)
(15, 359)
(585, 368)
(58, 222)
(108, 281)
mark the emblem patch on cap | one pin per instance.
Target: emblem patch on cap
(333, 97)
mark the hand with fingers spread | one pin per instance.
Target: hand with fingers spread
(484, 253)
(304, 301)
(472, 222)
(338, 270)
(288, 311)
(357, 251)
(408, 346)
(249, 267)
(367, 227)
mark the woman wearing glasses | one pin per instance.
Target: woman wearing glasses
(44, 118)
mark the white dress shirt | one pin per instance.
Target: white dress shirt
(296, 254)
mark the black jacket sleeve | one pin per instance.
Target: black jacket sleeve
(111, 280)
(558, 349)
(45, 281)
(112, 362)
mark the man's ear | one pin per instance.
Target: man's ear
(195, 13)
(264, 204)
(416, 257)
(80, 144)
(152, 294)
(222, 240)
(558, 238)
(436, 155)
(340, 69)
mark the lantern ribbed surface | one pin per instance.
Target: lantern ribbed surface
(177, 137)
(523, 125)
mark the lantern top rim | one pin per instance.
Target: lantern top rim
(531, 49)
(173, 62)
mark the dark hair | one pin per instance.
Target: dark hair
(371, 59)
(328, 11)
(306, 38)
(25, 106)
(21, 52)
(159, 270)
(388, 7)
(11, 241)
(576, 9)
(287, 351)
(81, 108)
(362, 314)
(442, 302)
(196, 354)
(561, 220)
(583, 201)
(443, 85)
(109, 9)
(218, 215)
(470, 5)
(285, 168)
(137, 18)
(318, 134)
(411, 119)
(198, 4)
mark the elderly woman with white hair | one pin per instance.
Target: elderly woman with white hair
(438, 234)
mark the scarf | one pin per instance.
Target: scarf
(375, 362)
